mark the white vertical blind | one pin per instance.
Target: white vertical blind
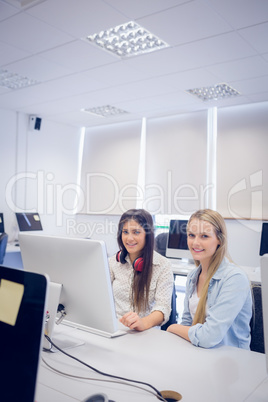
(110, 168)
(242, 161)
(176, 164)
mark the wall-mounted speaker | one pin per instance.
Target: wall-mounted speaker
(35, 123)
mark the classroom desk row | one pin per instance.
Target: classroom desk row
(157, 357)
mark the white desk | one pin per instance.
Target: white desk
(183, 268)
(13, 257)
(159, 358)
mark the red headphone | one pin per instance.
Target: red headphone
(137, 264)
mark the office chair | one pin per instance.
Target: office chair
(3, 246)
(173, 315)
(256, 322)
(161, 243)
(160, 247)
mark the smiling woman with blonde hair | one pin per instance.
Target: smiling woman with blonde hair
(218, 303)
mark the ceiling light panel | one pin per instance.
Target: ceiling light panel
(126, 40)
(14, 81)
(105, 111)
(219, 91)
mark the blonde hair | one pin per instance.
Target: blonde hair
(217, 221)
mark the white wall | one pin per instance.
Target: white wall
(38, 171)
(244, 241)
(50, 156)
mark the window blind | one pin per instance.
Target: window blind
(110, 168)
(175, 171)
(242, 161)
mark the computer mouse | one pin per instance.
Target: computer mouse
(96, 398)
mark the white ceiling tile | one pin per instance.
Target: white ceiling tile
(241, 69)
(252, 86)
(215, 42)
(140, 8)
(6, 10)
(257, 36)
(38, 68)
(83, 56)
(30, 34)
(9, 54)
(241, 13)
(78, 19)
(186, 23)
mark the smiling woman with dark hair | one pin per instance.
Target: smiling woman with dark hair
(142, 279)
(218, 302)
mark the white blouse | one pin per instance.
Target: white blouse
(160, 291)
(193, 302)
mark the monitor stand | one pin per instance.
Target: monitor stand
(62, 341)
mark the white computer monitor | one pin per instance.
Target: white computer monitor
(264, 293)
(177, 240)
(81, 266)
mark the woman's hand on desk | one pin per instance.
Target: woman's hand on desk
(133, 321)
(180, 330)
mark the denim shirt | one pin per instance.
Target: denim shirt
(229, 308)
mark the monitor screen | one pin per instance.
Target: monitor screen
(22, 315)
(264, 239)
(28, 221)
(2, 226)
(177, 240)
(81, 266)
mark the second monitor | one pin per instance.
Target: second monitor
(2, 226)
(177, 240)
(28, 221)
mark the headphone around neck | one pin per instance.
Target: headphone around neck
(137, 264)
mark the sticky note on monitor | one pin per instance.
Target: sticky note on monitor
(11, 294)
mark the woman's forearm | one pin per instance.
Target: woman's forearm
(180, 330)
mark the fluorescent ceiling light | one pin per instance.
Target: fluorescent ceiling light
(126, 40)
(219, 91)
(14, 81)
(105, 111)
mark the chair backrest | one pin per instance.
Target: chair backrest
(256, 323)
(173, 315)
(3, 246)
(161, 243)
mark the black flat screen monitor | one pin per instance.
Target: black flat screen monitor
(22, 315)
(264, 239)
(177, 240)
(2, 226)
(28, 221)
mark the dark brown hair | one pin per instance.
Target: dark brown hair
(141, 283)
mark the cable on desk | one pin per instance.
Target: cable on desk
(98, 379)
(157, 393)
